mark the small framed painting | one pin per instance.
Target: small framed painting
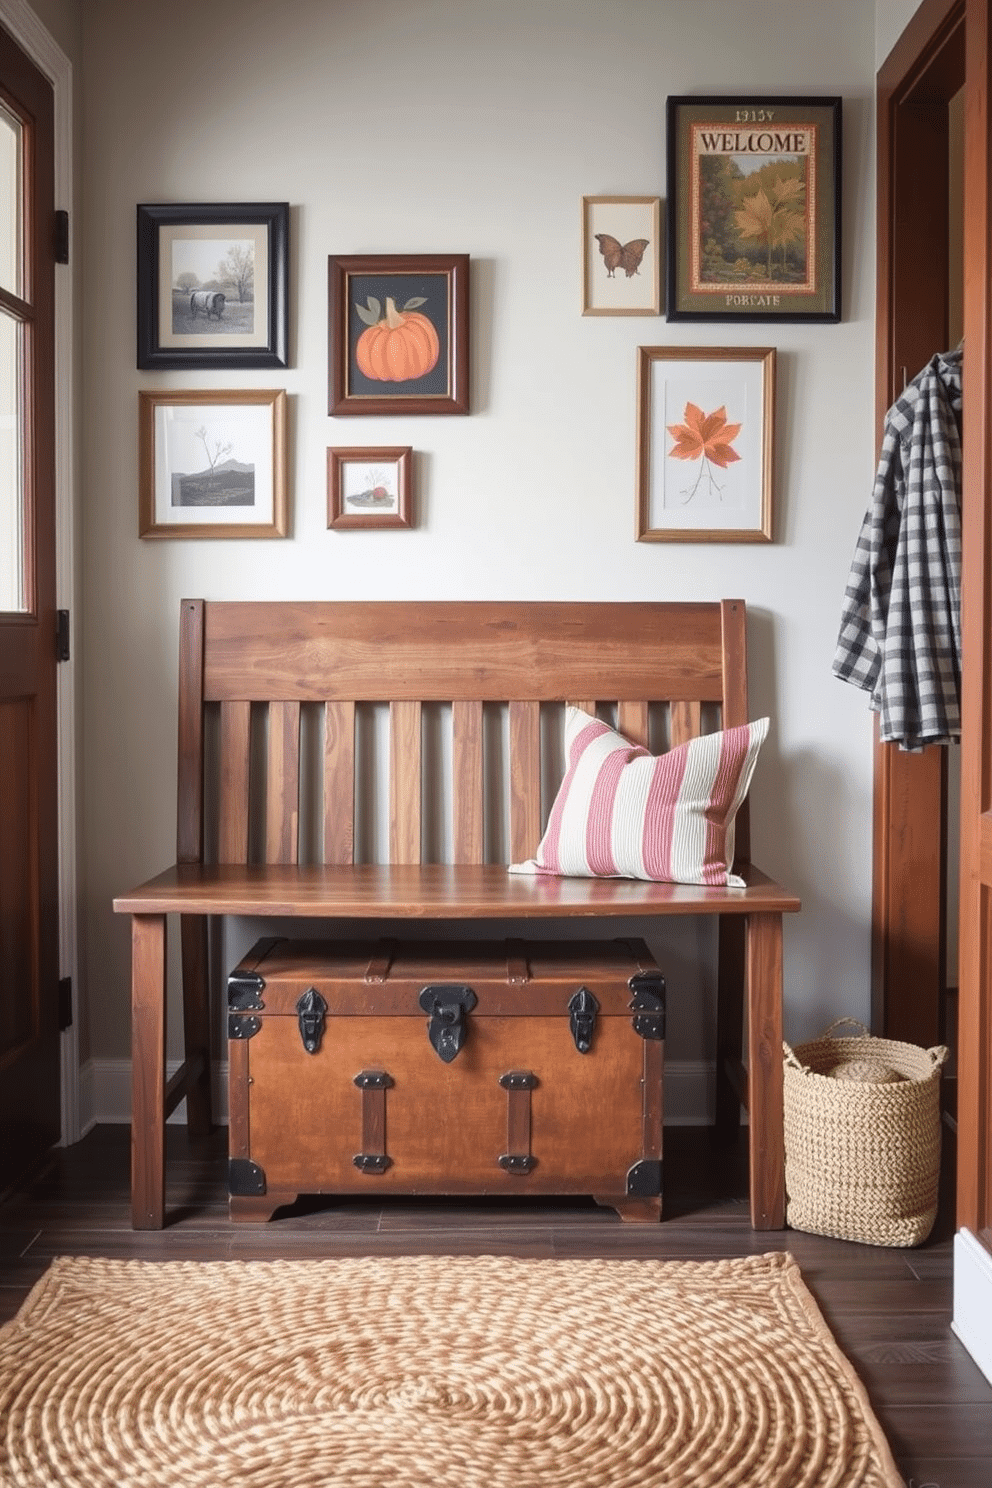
(705, 443)
(369, 487)
(212, 463)
(398, 334)
(212, 285)
(621, 255)
(753, 213)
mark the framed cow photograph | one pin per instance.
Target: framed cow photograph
(212, 285)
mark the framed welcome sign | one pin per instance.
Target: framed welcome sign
(754, 195)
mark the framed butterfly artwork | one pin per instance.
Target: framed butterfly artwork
(621, 257)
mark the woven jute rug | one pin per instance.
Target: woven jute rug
(473, 1373)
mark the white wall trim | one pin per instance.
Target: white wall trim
(105, 1092)
(972, 1321)
(34, 39)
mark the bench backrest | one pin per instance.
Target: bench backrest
(252, 672)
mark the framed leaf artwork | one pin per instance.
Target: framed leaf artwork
(705, 443)
(621, 255)
(754, 194)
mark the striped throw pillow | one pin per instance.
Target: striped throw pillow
(622, 812)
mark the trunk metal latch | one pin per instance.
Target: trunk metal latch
(448, 1005)
(582, 1010)
(311, 1010)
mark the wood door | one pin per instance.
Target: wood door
(975, 952)
(29, 920)
(923, 72)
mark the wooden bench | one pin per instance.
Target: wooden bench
(251, 673)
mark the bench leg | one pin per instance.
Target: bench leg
(148, 940)
(765, 1074)
(196, 1023)
(729, 1025)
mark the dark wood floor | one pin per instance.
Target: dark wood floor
(890, 1310)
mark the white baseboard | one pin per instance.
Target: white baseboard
(105, 1093)
(972, 1321)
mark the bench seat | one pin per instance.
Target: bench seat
(433, 891)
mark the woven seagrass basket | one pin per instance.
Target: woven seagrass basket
(862, 1137)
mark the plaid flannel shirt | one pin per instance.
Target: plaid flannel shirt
(900, 633)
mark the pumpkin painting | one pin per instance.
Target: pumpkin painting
(399, 346)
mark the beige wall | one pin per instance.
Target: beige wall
(458, 126)
(891, 19)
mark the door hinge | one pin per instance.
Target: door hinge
(61, 244)
(62, 635)
(65, 1003)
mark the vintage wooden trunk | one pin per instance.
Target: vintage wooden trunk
(456, 1067)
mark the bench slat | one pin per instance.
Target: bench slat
(235, 751)
(525, 780)
(467, 791)
(189, 814)
(405, 753)
(632, 722)
(339, 782)
(282, 792)
(687, 721)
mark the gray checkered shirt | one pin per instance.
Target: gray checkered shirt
(900, 634)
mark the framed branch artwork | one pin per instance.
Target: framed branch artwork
(369, 487)
(398, 334)
(621, 255)
(705, 443)
(212, 285)
(754, 209)
(212, 463)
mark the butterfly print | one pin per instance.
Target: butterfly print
(617, 255)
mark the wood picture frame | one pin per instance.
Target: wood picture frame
(398, 334)
(200, 268)
(754, 209)
(621, 255)
(212, 463)
(369, 487)
(714, 405)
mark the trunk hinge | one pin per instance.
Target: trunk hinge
(65, 1003)
(61, 244)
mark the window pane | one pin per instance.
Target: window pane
(12, 588)
(11, 220)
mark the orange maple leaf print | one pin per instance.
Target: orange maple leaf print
(706, 437)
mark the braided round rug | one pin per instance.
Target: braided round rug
(453, 1372)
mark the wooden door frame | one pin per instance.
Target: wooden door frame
(916, 80)
(974, 1158)
(36, 42)
(924, 70)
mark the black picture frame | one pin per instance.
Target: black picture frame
(773, 254)
(178, 335)
(432, 291)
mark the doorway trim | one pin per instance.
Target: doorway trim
(36, 41)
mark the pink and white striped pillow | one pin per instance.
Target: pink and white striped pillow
(622, 812)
